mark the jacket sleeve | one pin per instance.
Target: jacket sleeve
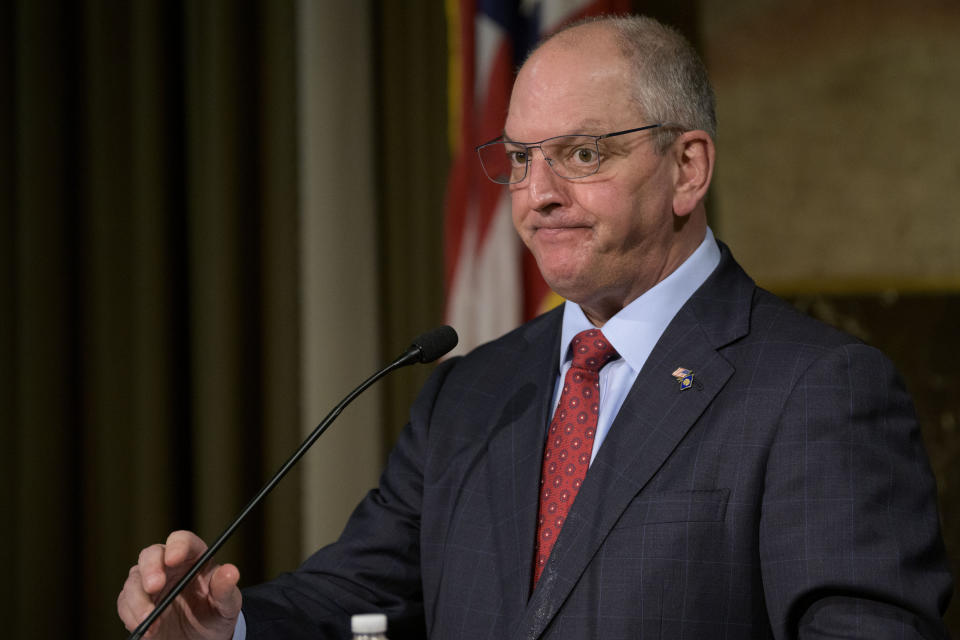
(375, 564)
(850, 545)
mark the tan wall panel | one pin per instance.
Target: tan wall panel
(340, 309)
(838, 159)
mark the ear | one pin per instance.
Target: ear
(694, 157)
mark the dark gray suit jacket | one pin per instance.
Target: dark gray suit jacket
(785, 495)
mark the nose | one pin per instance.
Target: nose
(544, 188)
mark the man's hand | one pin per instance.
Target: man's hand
(208, 607)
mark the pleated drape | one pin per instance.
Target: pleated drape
(149, 301)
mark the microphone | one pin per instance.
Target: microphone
(433, 344)
(425, 348)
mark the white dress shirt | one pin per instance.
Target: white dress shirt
(634, 331)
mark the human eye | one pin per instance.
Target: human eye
(574, 151)
(577, 155)
(516, 155)
(585, 154)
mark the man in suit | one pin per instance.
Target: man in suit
(672, 453)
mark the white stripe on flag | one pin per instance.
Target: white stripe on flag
(487, 290)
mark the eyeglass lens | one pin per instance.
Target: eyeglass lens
(568, 156)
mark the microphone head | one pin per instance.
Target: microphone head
(435, 343)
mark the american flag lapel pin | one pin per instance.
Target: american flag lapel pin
(685, 377)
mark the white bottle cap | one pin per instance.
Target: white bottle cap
(368, 623)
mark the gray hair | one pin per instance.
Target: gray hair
(671, 83)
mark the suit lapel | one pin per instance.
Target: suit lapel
(514, 456)
(651, 423)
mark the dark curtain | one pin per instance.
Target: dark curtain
(148, 365)
(411, 165)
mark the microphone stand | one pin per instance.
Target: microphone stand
(415, 353)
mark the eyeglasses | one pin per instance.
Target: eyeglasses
(571, 156)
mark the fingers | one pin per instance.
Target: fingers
(211, 601)
(155, 561)
(183, 547)
(134, 603)
(152, 568)
(224, 595)
(158, 567)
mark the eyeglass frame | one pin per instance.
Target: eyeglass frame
(539, 145)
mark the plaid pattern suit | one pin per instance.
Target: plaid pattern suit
(785, 495)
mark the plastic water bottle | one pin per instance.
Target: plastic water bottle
(369, 626)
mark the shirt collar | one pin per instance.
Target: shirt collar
(637, 328)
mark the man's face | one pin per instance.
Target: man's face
(603, 240)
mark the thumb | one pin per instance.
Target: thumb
(225, 597)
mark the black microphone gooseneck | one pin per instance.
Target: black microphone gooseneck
(424, 348)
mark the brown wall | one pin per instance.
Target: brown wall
(836, 183)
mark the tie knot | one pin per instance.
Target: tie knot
(591, 350)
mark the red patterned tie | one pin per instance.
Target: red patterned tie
(570, 440)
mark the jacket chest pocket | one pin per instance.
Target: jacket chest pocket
(707, 505)
(670, 525)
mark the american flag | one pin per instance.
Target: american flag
(492, 281)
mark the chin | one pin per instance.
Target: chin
(562, 267)
(568, 288)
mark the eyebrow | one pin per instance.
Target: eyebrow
(582, 129)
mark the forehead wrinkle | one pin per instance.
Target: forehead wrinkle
(587, 127)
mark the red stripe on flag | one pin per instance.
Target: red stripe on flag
(492, 117)
(458, 190)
